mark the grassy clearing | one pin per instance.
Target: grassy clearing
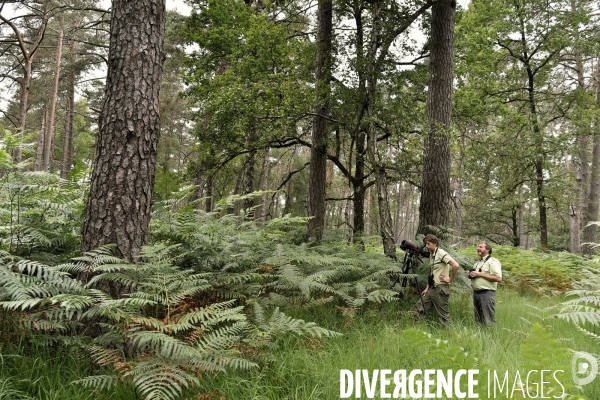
(310, 369)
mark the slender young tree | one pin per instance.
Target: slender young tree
(49, 137)
(27, 49)
(122, 181)
(434, 206)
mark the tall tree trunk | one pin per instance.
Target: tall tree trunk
(589, 231)
(25, 83)
(287, 206)
(237, 190)
(208, 206)
(249, 182)
(515, 212)
(122, 181)
(593, 203)
(49, 137)
(39, 159)
(264, 186)
(368, 213)
(459, 190)
(385, 216)
(434, 206)
(539, 162)
(358, 189)
(67, 153)
(318, 155)
(573, 209)
(521, 222)
(581, 158)
(590, 183)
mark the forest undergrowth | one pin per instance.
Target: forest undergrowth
(219, 307)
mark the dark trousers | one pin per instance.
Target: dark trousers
(438, 297)
(485, 307)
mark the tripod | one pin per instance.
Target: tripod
(410, 262)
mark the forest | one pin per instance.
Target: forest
(210, 204)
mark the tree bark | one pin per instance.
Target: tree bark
(434, 206)
(122, 181)
(318, 155)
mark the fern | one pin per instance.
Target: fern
(541, 351)
(583, 308)
(160, 336)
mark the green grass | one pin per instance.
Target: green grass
(310, 369)
(307, 368)
(46, 373)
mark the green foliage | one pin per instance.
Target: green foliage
(438, 354)
(541, 351)
(529, 271)
(248, 78)
(39, 215)
(155, 325)
(270, 264)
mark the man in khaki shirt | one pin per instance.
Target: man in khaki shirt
(485, 275)
(443, 269)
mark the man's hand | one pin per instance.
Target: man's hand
(444, 278)
(425, 291)
(474, 274)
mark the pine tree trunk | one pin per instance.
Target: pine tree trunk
(39, 159)
(589, 231)
(318, 156)
(25, 83)
(122, 181)
(49, 137)
(67, 153)
(434, 206)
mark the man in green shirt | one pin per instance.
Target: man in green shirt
(442, 271)
(485, 275)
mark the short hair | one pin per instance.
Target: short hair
(431, 239)
(487, 247)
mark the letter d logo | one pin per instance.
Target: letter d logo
(580, 367)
